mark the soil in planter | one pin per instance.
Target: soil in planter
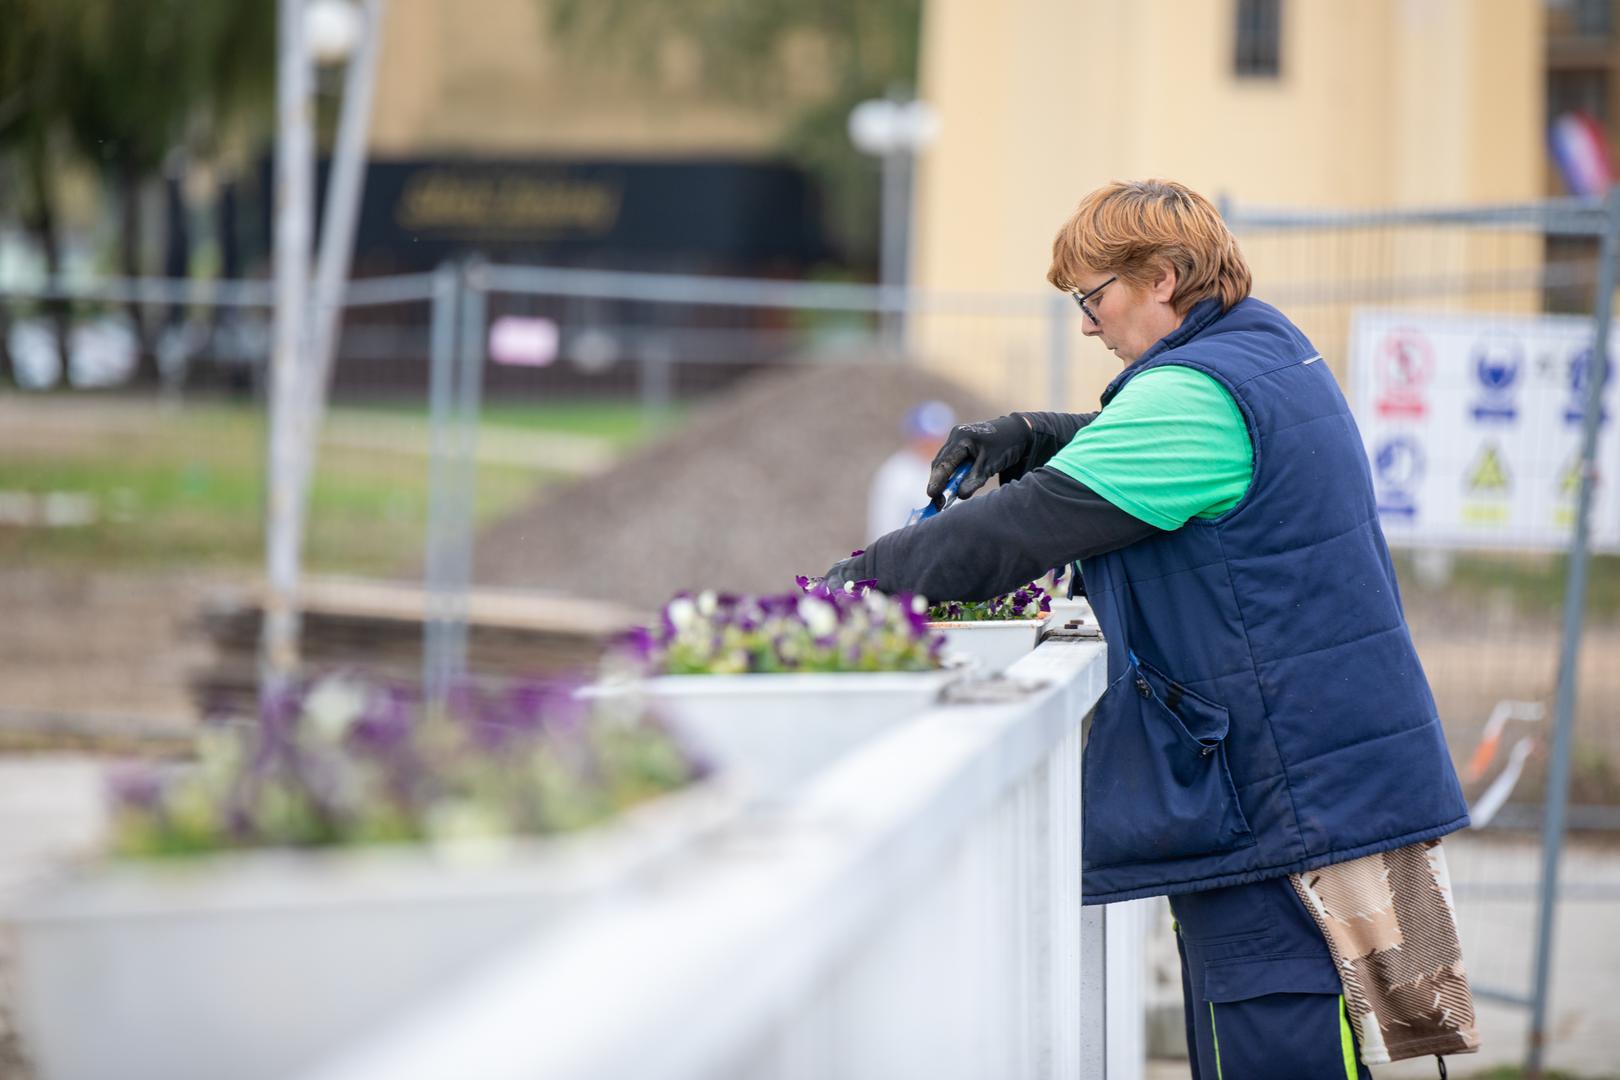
(769, 483)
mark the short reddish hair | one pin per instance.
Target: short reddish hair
(1135, 229)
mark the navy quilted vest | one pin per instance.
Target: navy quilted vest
(1266, 711)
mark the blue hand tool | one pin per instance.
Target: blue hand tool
(926, 512)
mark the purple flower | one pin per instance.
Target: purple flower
(504, 753)
(1017, 604)
(639, 642)
(135, 785)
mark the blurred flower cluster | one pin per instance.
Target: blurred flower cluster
(814, 629)
(349, 760)
(1027, 602)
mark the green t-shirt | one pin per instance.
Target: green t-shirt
(1170, 446)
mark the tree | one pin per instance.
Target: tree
(26, 57)
(127, 83)
(132, 81)
(871, 48)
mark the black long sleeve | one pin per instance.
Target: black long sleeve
(1049, 433)
(998, 540)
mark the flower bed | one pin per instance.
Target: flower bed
(347, 761)
(1027, 602)
(777, 687)
(995, 633)
(812, 630)
(318, 871)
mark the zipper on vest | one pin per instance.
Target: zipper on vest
(1142, 686)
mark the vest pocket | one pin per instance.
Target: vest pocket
(1156, 784)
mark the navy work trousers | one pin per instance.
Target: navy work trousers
(1263, 999)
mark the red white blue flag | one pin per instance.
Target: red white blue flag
(1582, 152)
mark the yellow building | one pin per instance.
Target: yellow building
(1300, 103)
(1296, 103)
(487, 77)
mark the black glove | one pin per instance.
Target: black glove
(858, 567)
(992, 445)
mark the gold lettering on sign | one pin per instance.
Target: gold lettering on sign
(445, 199)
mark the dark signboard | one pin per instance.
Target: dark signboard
(705, 216)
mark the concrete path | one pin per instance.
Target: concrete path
(50, 810)
(1494, 878)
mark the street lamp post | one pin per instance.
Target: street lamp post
(294, 226)
(305, 326)
(894, 131)
(339, 31)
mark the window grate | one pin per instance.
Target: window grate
(1258, 44)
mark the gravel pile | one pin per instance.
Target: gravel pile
(770, 482)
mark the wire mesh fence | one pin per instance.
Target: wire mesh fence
(1462, 340)
(1465, 341)
(138, 465)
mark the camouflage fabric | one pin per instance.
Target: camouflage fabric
(1392, 929)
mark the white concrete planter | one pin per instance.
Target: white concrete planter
(992, 644)
(775, 731)
(254, 965)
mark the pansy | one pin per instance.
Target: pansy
(351, 759)
(1026, 602)
(811, 629)
(682, 613)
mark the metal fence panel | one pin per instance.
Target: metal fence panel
(1436, 322)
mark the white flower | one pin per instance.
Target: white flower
(463, 831)
(918, 605)
(682, 612)
(820, 616)
(335, 703)
(707, 603)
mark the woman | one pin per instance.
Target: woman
(1268, 753)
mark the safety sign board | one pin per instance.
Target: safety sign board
(1472, 423)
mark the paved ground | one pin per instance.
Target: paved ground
(50, 810)
(100, 643)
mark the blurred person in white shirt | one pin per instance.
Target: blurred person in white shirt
(900, 484)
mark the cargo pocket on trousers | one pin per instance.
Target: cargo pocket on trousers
(1155, 775)
(1279, 1019)
(1241, 980)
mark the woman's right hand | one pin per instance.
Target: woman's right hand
(993, 446)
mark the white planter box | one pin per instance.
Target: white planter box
(775, 731)
(253, 965)
(1064, 609)
(993, 644)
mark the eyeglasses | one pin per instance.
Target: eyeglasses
(1081, 298)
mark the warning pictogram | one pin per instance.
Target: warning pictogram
(1405, 364)
(1569, 482)
(1487, 475)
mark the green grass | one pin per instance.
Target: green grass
(622, 423)
(186, 488)
(1528, 583)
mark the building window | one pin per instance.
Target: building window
(1583, 90)
(1594, 18)
(1259, 39)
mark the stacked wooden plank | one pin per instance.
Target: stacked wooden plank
(377, 627)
